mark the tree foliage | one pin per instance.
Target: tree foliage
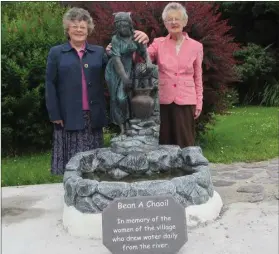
(29, 29)
(256, 27)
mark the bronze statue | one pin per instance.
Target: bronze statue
(130, 83)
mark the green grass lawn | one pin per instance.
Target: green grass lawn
(32, 169)
(245, 134)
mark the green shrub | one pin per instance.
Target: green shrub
(29, 30)
(257, 68)
(230, 98)
(271, 94)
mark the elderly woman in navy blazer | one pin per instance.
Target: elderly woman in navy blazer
(75, 91)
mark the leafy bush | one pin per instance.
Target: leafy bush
(257, 68)
(255, 25)
(203, 26)
(29, 29)
(270, 95)
(230, 98)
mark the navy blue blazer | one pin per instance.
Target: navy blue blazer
(63, 88)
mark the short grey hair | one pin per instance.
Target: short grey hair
(174, 6)
(78, 14)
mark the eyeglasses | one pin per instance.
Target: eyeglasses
(168, 21)
(75, 27)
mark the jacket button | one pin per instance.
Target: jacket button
(89, 84)
(174, 85)
(91, 102)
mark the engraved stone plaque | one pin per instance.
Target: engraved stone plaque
(139, 225)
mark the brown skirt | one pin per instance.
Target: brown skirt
(177, 125)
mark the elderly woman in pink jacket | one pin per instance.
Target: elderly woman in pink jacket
(179, 59)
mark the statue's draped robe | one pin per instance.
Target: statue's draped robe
(119, 102)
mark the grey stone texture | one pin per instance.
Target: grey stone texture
(246, 182)
(117, 173)
(193, 156)
(152, 188)
(191, 186)
(114, 190)
(134, 163)
(240, 175)
(100, 201)
(139, 127)
(141, 136)
(86, 187)
(222, 183)
(251, 189)
(256, 198)
(274, 173)
(85, 205)
(70, 190)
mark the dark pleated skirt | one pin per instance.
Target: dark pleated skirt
(67, 143)
(177, 125)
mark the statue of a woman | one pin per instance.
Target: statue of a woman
(119, 68)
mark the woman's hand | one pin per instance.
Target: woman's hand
(59, 122)
(197, 113)
(108, 48)
(141, 37)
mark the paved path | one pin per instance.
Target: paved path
(246, 182)
(31, 217)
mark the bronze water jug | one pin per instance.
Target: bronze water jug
(142, 103)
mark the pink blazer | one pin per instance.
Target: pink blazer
(180, 75)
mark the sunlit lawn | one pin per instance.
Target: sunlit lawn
(246, 134)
